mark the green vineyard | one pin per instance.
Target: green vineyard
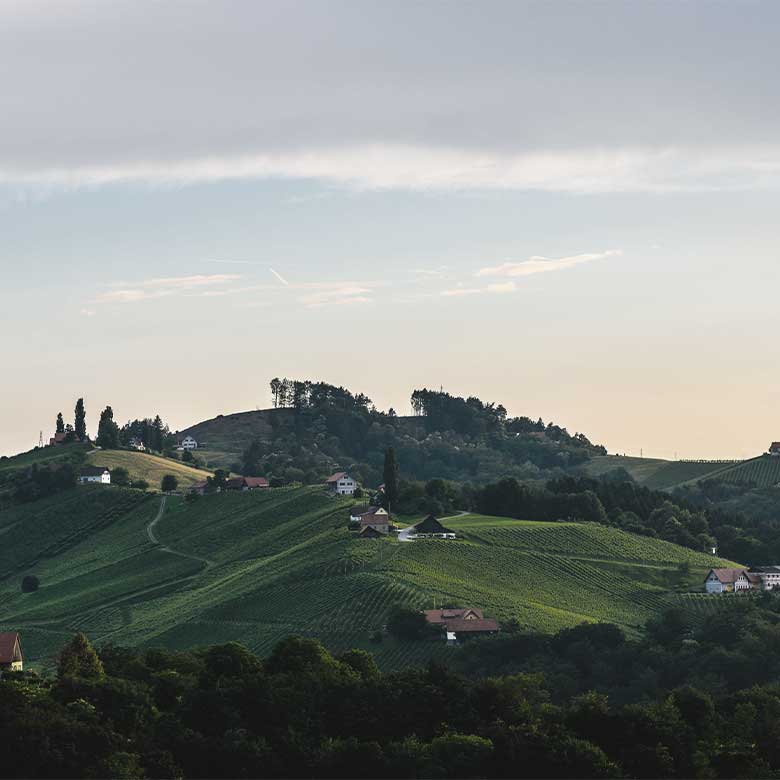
(760, 472)
(256, 567)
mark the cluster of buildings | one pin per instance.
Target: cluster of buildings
(243, 484)
(741, 580)
(372, 521)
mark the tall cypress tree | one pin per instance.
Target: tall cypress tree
(391, 479)
(60, 424)
(80, 426)
(108, 430)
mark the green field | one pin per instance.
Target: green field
(255, 567)
(152, 468)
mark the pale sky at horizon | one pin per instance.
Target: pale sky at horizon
(568, 208)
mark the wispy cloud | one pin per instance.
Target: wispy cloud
(457, 292)
(440, 168)
(539, 264)
(438, 271)
(158, 287)
(336, 295)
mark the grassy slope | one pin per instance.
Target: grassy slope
(223, 439)
(42, 457)
(152, 468)
(267, 564)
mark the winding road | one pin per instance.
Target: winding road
(155, 541)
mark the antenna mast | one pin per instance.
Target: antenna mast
(40, 439)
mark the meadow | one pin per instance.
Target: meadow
(256, 567)
(151, 468)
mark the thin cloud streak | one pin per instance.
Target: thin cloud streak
(159, 287)
(538, 264)
(439, 168)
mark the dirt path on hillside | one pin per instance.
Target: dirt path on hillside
(155, 541)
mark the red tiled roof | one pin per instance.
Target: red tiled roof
(256, 482)
(336, 477)
(442, 616)
(8, 642)
(460, 626)
(375, 520)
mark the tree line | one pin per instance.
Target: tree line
(685, 700)
(153, 433)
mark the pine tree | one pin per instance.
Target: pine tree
(157, 434)
(391, 479)
(79, 659)
(60, 424)
(80, 426)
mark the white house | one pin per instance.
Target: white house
(341, 484)
(768, 576)
(136, 444)
(188, 443)
(95, 474)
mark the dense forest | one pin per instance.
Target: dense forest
(681, 701)
(448, 437)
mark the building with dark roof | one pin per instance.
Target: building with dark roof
(11, 658)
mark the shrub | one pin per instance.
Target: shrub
(30, 584)
(169, 483)
(405, 623)
(120, 476)
(140, 484)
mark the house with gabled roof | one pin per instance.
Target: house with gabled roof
(11, 659)
(341, 484)
(246, 483)
(731, 581)
(460, 624)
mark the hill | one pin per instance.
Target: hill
(315, 429)
(151, 468)
(761, 472)
(143, 570)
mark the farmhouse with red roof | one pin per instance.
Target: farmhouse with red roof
(460, 624)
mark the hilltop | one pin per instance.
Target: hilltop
(133, 568)
(316, 428)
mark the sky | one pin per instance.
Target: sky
(569, 208)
